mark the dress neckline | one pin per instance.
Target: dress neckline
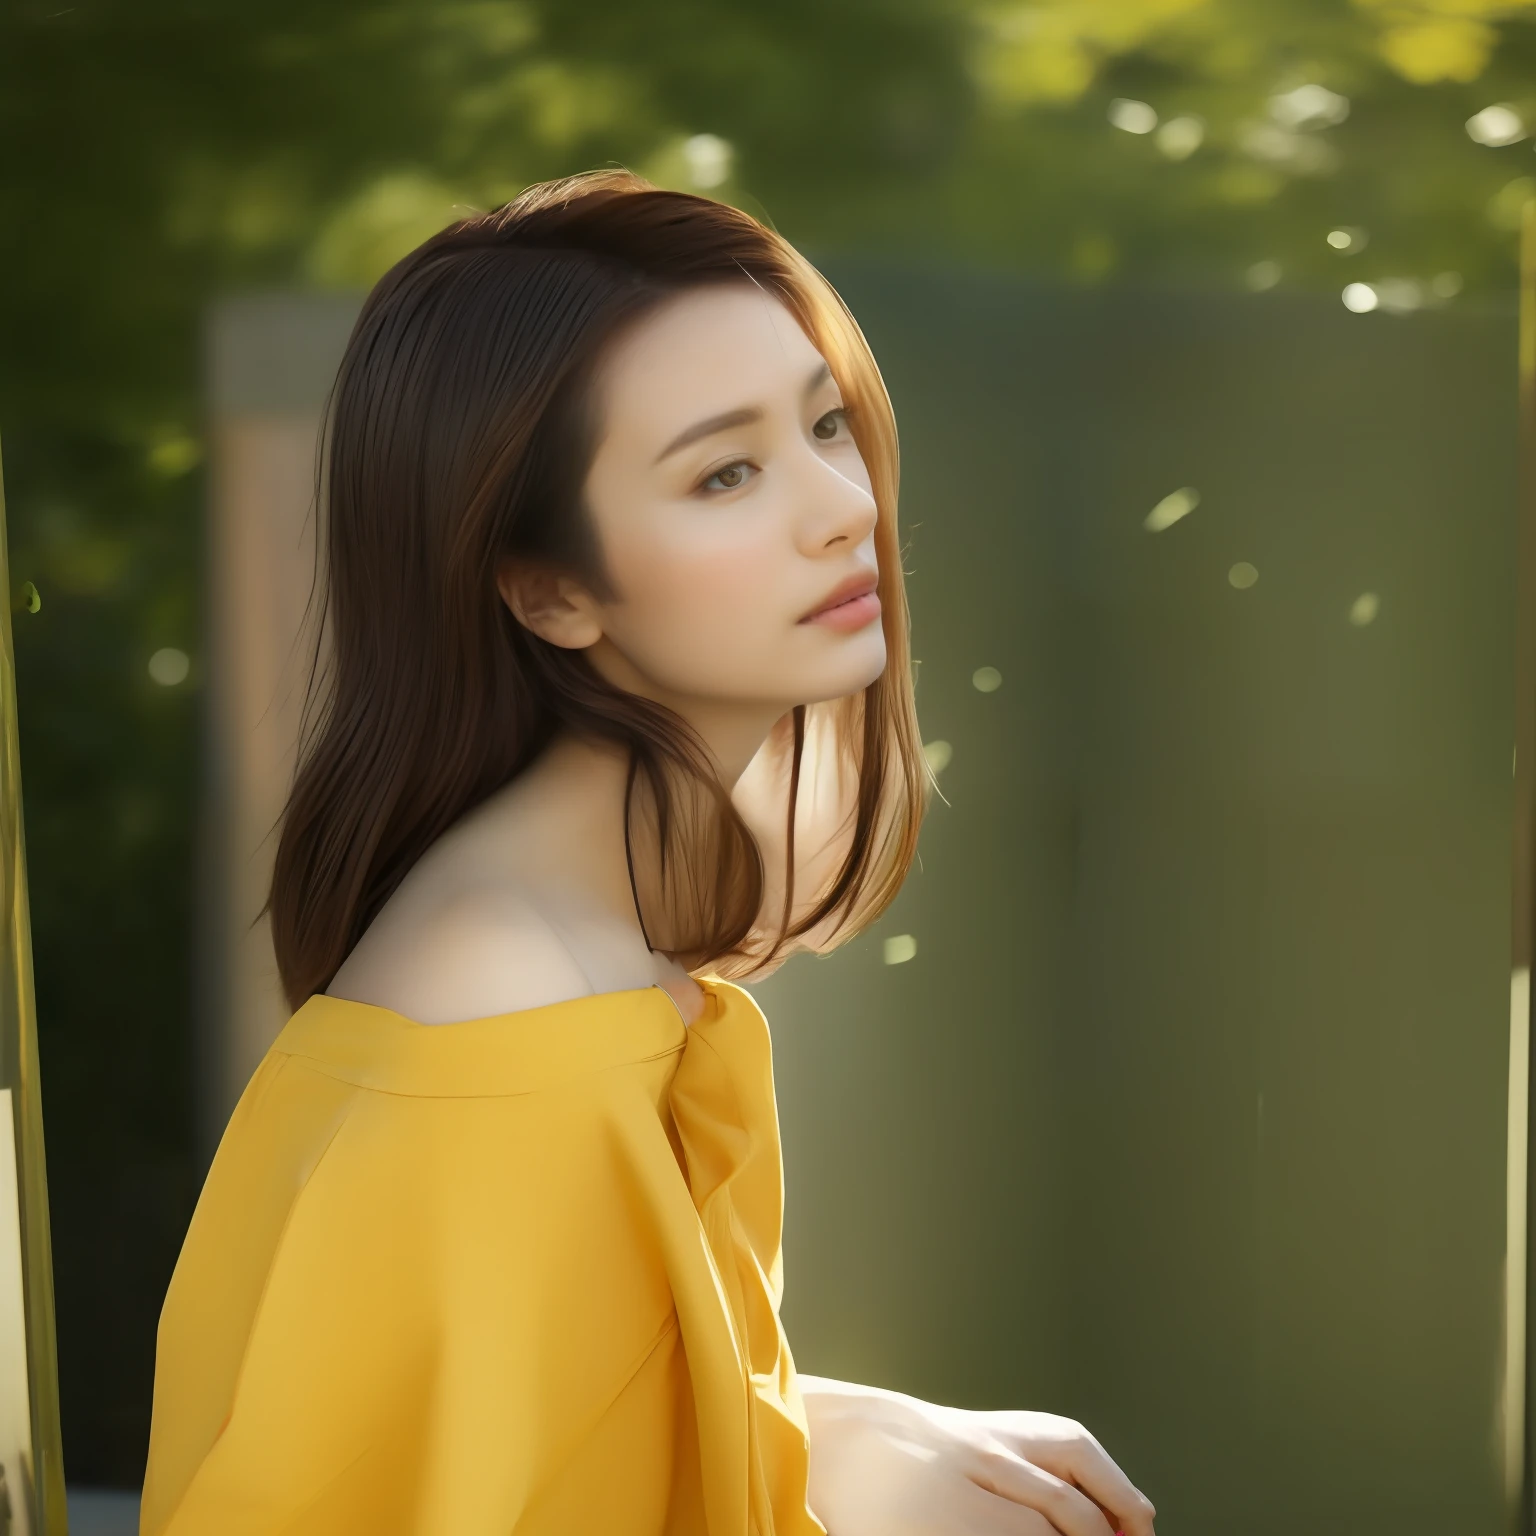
(523, 1051)
(585, 1000)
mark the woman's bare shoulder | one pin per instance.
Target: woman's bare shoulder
(476, 955)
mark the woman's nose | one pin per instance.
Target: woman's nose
(838, 508)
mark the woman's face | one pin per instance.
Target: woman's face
(729, 501)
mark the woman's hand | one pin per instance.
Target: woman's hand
(885, 1464)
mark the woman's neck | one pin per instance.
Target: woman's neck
(560, 825)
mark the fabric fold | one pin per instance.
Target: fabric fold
(724, 1107)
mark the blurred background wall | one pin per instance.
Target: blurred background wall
(1186, 1113)
(1172, 1093)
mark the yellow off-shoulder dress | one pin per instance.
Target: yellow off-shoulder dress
(516, 1276)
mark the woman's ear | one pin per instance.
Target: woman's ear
(556, 608)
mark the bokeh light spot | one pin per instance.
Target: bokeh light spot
(1364, 609)
(168, 666)
(1171, 508)
(1309, 106)
(1506, 208)
(174, 455)
(1496, 125)
(709, 159)
(1180, 137)
(1349, 238)
(1262, 275)
(1132, 116)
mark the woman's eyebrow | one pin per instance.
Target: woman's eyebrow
(737, 418)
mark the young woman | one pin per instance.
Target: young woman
(616, 708)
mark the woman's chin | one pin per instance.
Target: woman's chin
(854, 676)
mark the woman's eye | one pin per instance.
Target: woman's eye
(738, 469)
(841, 410)
(733, 476)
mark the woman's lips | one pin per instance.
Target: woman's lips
(852, 614)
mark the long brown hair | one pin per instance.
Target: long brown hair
(457, 437)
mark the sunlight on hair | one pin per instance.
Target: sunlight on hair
(168, 666)
(1243, 575)
(986, 679)
(1171, 508)
(938, 754)
(900, 948)
(1364, 609)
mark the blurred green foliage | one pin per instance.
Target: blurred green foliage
(157, 151)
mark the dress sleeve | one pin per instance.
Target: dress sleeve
(418, 1324)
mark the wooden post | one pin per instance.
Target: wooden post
(270, 362)
(31, 1445)
(1517, 1414)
